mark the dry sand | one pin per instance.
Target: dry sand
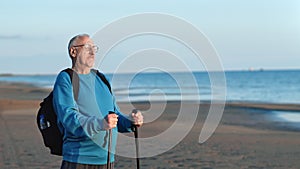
(245, 139)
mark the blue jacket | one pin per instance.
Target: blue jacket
(81, 121)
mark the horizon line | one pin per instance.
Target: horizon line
(200, 71)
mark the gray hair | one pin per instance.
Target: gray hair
(74, 39)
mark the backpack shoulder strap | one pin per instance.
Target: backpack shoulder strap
(74, 80)
(103, 78)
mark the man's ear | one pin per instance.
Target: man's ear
(73, 52)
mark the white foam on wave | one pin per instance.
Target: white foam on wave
(288, 116)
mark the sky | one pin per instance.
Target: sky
(258, 34)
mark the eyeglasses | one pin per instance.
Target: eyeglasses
(89, 47)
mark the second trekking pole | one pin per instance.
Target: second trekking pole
(136, 136)
(109, 144)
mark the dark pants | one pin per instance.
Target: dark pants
(70, 165)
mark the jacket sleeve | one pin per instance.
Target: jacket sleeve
(73, 123)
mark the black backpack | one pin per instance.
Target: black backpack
(47, 119)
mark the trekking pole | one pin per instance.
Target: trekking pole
(109, 144)
(136, 136)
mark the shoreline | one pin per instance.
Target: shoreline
(27, 94)
(38, 93)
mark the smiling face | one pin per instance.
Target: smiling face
(83, 52)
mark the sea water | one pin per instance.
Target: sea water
(276, 86)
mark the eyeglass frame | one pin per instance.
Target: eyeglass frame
(95, 48)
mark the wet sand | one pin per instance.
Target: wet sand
(246, 138)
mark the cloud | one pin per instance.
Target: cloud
(8, 37)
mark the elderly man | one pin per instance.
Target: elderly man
(85, 121)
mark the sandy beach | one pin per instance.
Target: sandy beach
(245, 139)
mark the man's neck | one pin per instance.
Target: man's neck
(81, 70)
